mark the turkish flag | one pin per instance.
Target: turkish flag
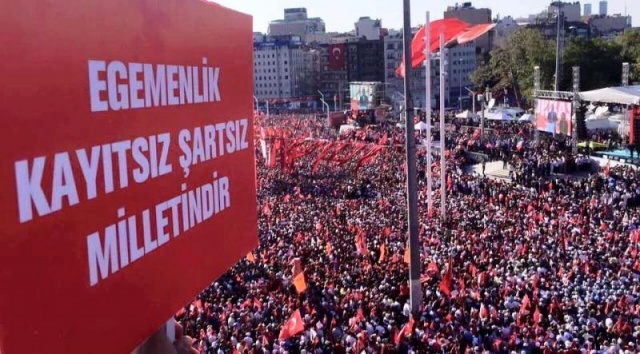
(337, 56)
(456, 32)
(292, 327)
(450, 27)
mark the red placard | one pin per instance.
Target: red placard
(128, 173)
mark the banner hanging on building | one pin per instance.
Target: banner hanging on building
(128, 167)
(337, 56)
(554, 116)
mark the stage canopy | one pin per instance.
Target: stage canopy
(629, 95)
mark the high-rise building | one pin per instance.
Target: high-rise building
(587, 10)
(296, 23)
(365, 60)
(603, 8)
(368, 28)
(461, 64)
(394, 84)
(278, 64)
(469, 14)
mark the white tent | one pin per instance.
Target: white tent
(621, 95)
(467, 114)
(500, 115)
(421, 126)
(527, 117)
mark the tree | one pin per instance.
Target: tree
(511, 66)
(630, 43)
(600, 63)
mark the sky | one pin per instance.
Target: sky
(340, 15)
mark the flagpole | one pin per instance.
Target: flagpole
(443, 167)
(412, 182)
(427, 63)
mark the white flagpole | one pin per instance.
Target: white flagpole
(427, 63)
(443, 167)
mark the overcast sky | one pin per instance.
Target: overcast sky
(340, 15)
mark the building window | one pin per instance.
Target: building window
(285, 62)
(286, 77)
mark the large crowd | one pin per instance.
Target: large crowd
(533, 264)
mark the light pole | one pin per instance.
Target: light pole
(557, 82)
(460, 83)
(415, 294)
(483, 98)
(255, 99)
(321, 99)
(473, 99)
(325, 105)
(427, 96)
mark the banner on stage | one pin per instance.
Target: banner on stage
(554, 116)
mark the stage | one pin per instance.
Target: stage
(622, 155)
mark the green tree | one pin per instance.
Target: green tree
(600, 63)
(630, 43)
(511, 66)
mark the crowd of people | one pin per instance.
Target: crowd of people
(536, 264)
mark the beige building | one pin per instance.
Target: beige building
(368, 28)
(296, 23)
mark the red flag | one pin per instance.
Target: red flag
(337, 56)
(484, 313)
(383, 252)
(526, 304)
(292, 327)
(446, 283)
(384, 139)
(405, 332)
(361, 243)
(473, 32)
(266, 209)
(297, 266)
(450, 27)
(432, 267)
(407, 255)
(300, 283)
(537, 316)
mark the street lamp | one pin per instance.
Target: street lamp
(255, 99)
(473, 98)
(322, 99)
(460, 83)
(484, 99)
(559, 17)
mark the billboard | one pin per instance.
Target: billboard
(554, 116)
(363, 95)
(128, 167)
